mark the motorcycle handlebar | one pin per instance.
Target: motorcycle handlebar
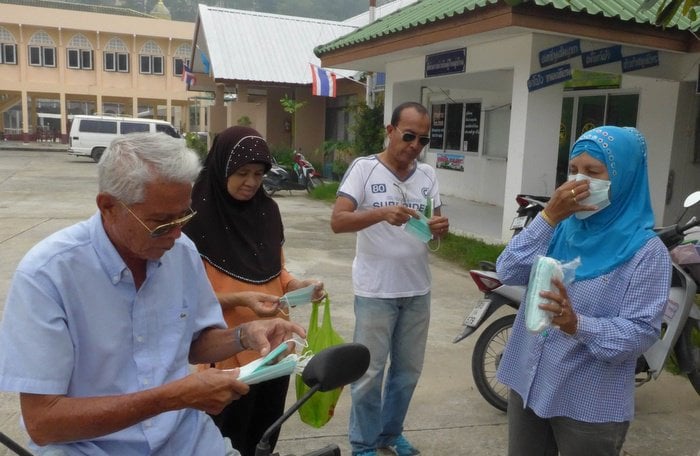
(673, 235)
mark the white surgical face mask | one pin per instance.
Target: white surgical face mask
(600, 194)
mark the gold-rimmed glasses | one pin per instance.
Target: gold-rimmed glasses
(162, 230)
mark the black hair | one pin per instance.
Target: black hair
(396, 115)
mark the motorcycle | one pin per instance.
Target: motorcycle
(681, 318)
(303, 176)
(327, 370)
(490, 345)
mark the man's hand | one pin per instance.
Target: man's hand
(211, 390)
(261, 335)
(439, 225)
(397, 215)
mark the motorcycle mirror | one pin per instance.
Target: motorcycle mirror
(336, 366)
(692, 199)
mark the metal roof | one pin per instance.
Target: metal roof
(252, 46)
(430, 11)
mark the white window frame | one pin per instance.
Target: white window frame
(147, 64)
(3, 53)
(182, 64)
(83, 57)
(46, 53)
(120, 61)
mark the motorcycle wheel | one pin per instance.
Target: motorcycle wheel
(488, 351)
(688, 350)
(268, 189)
(312, 183)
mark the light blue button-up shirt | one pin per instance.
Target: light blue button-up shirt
(74, 324)
(588, 376)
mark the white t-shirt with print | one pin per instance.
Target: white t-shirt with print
(389, 262)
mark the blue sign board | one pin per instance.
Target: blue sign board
(639, 61)
(448, 62)
(549, 77)
(601, 56)
(560, 53)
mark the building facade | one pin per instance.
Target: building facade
(68, 59)
(510, 88)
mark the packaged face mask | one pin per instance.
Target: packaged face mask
(600, 195)
(298, 297)
(543, 271)
(419, 228)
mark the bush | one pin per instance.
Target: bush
(368, 128)
(197, 143)
(325, 192)
(284, 155)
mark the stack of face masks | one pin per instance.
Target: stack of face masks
(266, 368)
(543, 271)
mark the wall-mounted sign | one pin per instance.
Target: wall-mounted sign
(560, 53)
(437, 126)
(639, 61)
(454, 162)
(472, 127)
(448, 62)
(601, 56)
(549, 77)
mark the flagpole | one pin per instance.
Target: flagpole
(369, 96)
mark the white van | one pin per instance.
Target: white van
(91, 135)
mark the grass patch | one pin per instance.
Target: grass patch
(326, 192)
(466, 252)
(463, 251)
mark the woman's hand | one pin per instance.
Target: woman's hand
(319, 291)
(565, 201)
(263, 304)
(564, 316)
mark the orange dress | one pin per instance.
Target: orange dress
(222, 283)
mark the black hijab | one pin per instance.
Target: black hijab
(241, 238)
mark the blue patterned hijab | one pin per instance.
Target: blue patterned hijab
(611, 237)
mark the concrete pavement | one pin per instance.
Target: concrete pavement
(41, 192)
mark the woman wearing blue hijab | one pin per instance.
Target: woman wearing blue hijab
(572, 386)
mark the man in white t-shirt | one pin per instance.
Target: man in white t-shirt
(391, 278)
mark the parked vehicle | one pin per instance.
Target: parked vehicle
(302, 176)
(89, 136)
(489, 346)
(328, 369)
(681, 319)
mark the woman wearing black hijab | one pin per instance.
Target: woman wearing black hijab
(239, 234)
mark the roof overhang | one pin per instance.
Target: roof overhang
(499, 21)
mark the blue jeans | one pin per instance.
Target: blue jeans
(396, 328)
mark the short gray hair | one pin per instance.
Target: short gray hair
(132, 161)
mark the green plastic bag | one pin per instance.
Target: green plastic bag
(318, 410)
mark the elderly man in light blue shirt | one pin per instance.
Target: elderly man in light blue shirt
(104, 317)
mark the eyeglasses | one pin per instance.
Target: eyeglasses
(410, 137)
(162, 230)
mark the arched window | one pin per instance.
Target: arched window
(116, 56)
(181, 58)
(79, 53)
(8, 47)
(151, 58)
(42, 50)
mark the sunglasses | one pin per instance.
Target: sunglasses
(410, 137)
(162, 230)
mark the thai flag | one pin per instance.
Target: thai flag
(188, 76)
(323, 82)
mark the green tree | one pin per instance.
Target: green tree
(368, 128)
(291, 106)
